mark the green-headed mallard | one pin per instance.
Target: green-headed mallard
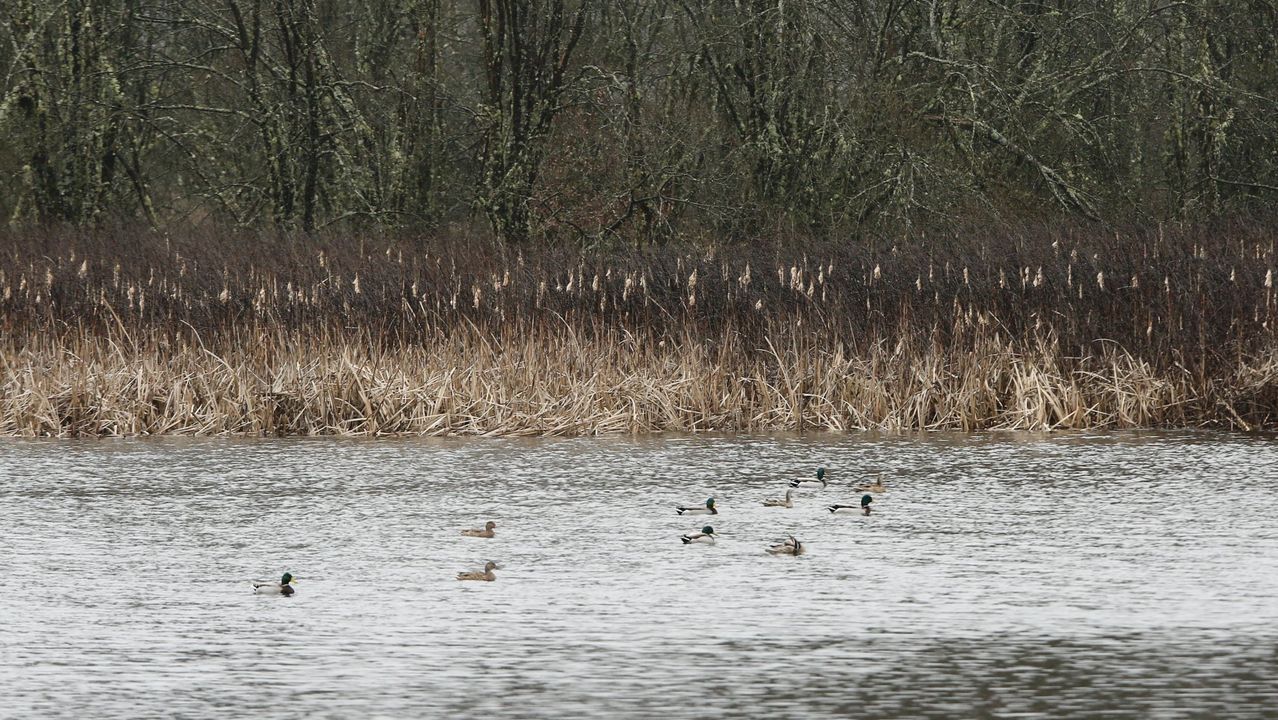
(283, 587)
(864, 507)
(818, 481)
(788, 502)
(707, 510)
(487, 575)
(705, 536)
(487, 532)
(790, 546)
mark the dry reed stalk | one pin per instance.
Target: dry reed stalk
(556, 380)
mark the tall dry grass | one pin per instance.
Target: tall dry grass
(1027, 329)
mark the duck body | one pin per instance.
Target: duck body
(485, 576)
(707, 509)
(877, 487)
(818, 481)
(706, 536)
(487, 532)
(864, 507)
(790, 546)
(788, 502)
(843, 508)
(283, 587)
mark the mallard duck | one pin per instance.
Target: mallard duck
(707, 510)
(788, 502)
(819, 481)
(283, 587)
(487, 532)
(705, 536)
(791, 546)
(864, 507)
(487, 575)
(875, 487)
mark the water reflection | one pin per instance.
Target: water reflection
(1002, 575)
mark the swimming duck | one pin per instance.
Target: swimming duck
(875, 487)
(705, 536)
(487, 575)
(487, 532)
(283, 587)
(791, 546)
(818, 482)
(788, 502)
(864, 507)
(707, 510)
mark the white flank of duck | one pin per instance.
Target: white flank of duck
(818, 481)
(705, 536)
(283, 587)
(708, 509)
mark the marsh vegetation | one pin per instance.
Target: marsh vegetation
(1033, 330)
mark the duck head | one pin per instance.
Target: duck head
(490, 525)
(710, 503)
(490, 566)
(821, 474)
(287, 578)
(707, 530)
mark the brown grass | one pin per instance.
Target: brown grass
(248, 334)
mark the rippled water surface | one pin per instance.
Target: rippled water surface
(1077, 576)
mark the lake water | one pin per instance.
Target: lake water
(1063, 576)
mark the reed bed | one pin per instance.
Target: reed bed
(1025, 329)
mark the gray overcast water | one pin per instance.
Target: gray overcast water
(1127, 575)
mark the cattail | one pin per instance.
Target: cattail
(1100, 279)
(355, 284)
(878, 272)
(1269, 278)
(84, 269)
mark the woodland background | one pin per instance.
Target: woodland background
(636, 120)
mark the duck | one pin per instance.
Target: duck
(788, 502)
(875, 487)
(791, 546)
(487, 532)
(709, 509)
(283, 587)
(819, 481)
(486, 576)
(705, 536)
(864, 507)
